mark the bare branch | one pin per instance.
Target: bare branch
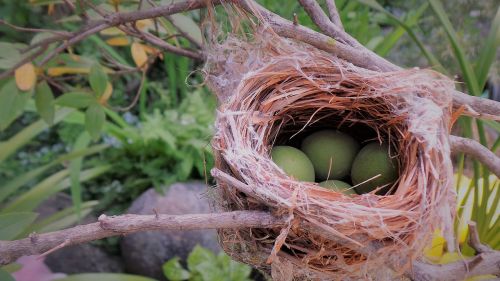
(44, 244)
(148, 37)
(334, 13)
(476, 106)
(476, 150)
(326, 25)
(474, 241)
(127, 224)
(357, 55)
(482, 264)
(27, 29)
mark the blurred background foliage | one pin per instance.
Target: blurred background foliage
(114, 116)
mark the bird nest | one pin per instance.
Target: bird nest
(273, 90)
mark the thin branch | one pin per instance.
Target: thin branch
(28, 29)
(158, 42)
(361, 56)
(106, 226)
(333, 13)
(474, 241)
(326, 25)
(476, 106)
(478, 151)
(29, 58)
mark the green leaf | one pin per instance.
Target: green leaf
(465, 66)
(94, 120)
(199, 255)
(62, 219)
(433, 61)
(173, 270)
(186, 25)
(75, 166)
(5, 276)
(26, 134)
(44, 101)
(11, 267)
(209, 271)
(55, 183)
(76, 99)
(488, 52)
(12, 103)
(237, 271)
(389, 41)
(13, 224)
(13, 185)
(98, 79)
(10, 55)
(105, 277)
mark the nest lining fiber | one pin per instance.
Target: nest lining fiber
(273, 90)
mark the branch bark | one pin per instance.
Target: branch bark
(478, 151)
(334, 13)
(487, 262)
(106, 226)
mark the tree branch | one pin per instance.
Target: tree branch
(358, 55)
(334, 13)
(478, 151)
(326, 25)
(44, 244)
(106, 226)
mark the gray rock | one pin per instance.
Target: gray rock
(79, 258)
(83, 258)
(144, 253)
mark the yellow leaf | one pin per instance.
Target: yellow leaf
(139, 54)
(112, 31)
(25, 76)
(435, 250)
(107, 94)
(118, 41)
(450, 257)
(62, 70)
(50, 9)
(150, 50)
(143, 24)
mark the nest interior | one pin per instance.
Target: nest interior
(293, 90)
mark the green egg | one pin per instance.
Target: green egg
(338, 186)
(294, 162)
(373, 159)
(331, 153)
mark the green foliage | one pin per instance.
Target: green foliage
(105, 277)
(44, 100)
(204, 265)
(98, 79)
(167, 146)
(14, 223)
(5, 276)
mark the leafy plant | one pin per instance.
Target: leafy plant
(204, 265)
(165, 147)
(481, 196)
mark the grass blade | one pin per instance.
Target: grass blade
(13, 185)
(488, 52)
(465, 66)
(11, 145)
(433, 61)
